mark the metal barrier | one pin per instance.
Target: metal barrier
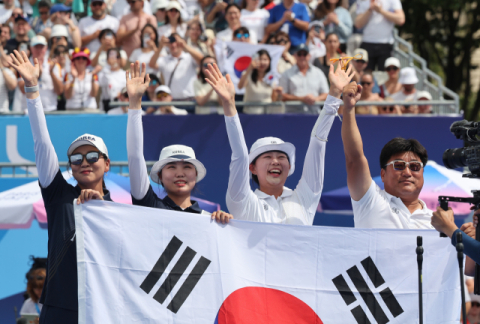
(428, 80)
(28, 170)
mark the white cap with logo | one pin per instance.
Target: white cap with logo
(38, 40)
(177, 153)
(267, 144)
(88, 139)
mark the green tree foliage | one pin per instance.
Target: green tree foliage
(445, 33)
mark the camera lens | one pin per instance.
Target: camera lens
(455, 158)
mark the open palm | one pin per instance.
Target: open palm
(137, 83)
(223, 86)
(24, 67)
(340, 78)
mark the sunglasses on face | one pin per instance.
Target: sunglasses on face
(391, 68)
(81, 59)
(43, 13)
(154, 82)
(240, 35)
(161, 95)
(91, 157)
(391, 108)
(400, 165)
(97, 4)
(475, 304)
(173, 10)
(131, 2)
(300, 54)
(282, 41)
(361, 61)
(365, 83)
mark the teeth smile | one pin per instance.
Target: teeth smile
(275, 171)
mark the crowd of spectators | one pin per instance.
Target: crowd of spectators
(83, 54)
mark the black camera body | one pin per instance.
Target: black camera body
(468, 156)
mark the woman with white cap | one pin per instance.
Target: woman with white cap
(391, 86)
(88, 159)
(271, 161)
(173, 21)
(177, 170)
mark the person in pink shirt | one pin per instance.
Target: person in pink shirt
(129, 31)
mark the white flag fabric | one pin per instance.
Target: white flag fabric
(146, 265)
(235, 57)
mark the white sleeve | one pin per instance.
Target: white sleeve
(139, 182)
(238, 180)
(313, 168)
(45, 156)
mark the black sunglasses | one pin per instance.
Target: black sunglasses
(97, 3)
(365, 83)
(391, 108)
(391, 68)
(91, 157)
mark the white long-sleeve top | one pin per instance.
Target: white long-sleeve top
(293, 206)
(139, 182)
(45, 156)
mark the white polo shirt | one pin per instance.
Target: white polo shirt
(183, 75)
(296, 207)
(379, 209)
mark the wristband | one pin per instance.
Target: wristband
(32, 89)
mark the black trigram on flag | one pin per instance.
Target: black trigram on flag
(229, 51)
(175, 275)
(367, 295)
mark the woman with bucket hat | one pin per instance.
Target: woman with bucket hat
(272, 160)
(88, 159)
(177, 170)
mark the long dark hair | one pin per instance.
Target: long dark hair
(255, 71)
(154, 31)
(324, 9)
(201, 75)
(180, 21)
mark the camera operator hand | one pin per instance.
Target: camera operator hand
(443, 221)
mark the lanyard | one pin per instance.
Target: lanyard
(38, 308)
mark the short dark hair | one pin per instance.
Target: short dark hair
(254, 177)
(232, 5)
(400, 145)
(44, 4)
(104, 31)
(241, 30)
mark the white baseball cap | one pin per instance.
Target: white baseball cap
(424, 94)
(267, 144)
(176, 153)
(38, 40)
(158, 4)
(408, 76)
(393, 61)
(163, 88)
(362, 52)
(59, 31)
(88, 139)
(174, 5)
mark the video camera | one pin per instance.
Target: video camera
(468, 156)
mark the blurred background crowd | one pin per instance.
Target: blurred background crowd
(84, 48)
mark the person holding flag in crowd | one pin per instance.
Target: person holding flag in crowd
(178, 170)
(88, 159)
(271, 161)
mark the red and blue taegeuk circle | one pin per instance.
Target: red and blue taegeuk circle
(241, 64)
(261, 305)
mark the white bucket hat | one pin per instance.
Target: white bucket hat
(408, 76)
(268, 144)
(176, 153)
(59, 31)
(87, 139)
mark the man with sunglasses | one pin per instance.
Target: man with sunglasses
(163, 94)
(401, 162)
(43, 20)
(90, 27)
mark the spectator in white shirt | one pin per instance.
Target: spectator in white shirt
(271, 161)
(402, 165)
(205, 97)
(179, 68)
(59, 70)
(148, 46)
(391, 86)
(81, 87)
(197, 39)
(164, 94)
(90, 27)
(408, 79)
(108, 40)
(112, 80)
(6, 10)
(424, 96)
(173, 21)
(62, 15)
(254, 18)
(232, 15)
(378, 18)
(59, 37)
(8, 82)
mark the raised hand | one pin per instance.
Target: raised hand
(73, 71)
(351, 95)
(27, 71)
(339, 78)
(223, 87)
(137, 84)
